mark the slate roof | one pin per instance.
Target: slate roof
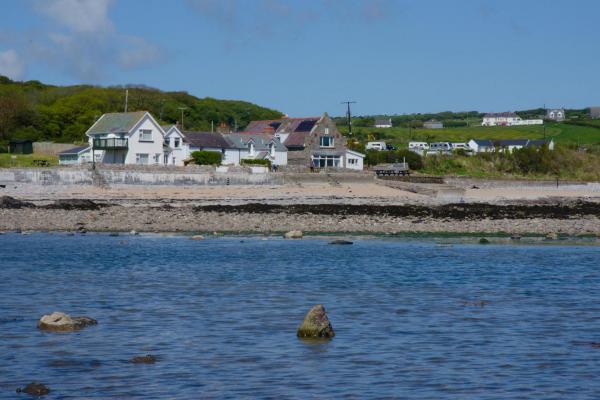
(263, 126)
(483, 142)
(513, 142)
(261, 142)
(74, 150)
(206, 139)
(116, 122)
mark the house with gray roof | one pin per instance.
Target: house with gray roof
(556, 114)
(255, 146)
(594, 112)
(75, 155)
(128, 138)
(383, 123)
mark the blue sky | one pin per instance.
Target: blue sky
(304, 57)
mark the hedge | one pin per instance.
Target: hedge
(266, 163)
(206, 157)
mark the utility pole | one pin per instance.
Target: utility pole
(212, 126)
(182, 108)
(126, 98)
(349, 115)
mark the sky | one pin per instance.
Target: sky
(304, 57)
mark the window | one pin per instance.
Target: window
(145, 135)
(352, 161)
(156, 158)
(141, 158)
(176, 142)
(272, 149)
(326, 141)
(251, 148)
(326, 161)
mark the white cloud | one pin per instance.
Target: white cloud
(11, 65)
(78, 15)
(138, 53)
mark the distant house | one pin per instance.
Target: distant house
(248, 146)
(310, 141)
(594, 112)
(128, 138)
(508, 119)
(508, 145)
(74, 156)
(383, 123)
(481, 146)
(179, 149)
(555, 114)
(433, 124)
(20, 146)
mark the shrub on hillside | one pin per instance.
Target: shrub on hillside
(266, 163)
(206, 157)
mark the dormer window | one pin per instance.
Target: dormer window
(176, 142)
(145, 135)
(251, 148)
(272, 149)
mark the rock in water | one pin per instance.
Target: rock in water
(316, 324)
(197, 237)
(147, 359)
(35, 389)
(61, 322)
(484, 241)
(340, 242)
(293, 235)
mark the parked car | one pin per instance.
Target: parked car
(390, 147)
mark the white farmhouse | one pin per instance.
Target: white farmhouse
(508, 119)
(481, 145)
(247, 146)
(128, 138)
(179, 148)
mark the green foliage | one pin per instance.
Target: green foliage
(264, 162)
(206, 157)
(24, 160)
(36, 111)
(374, 157)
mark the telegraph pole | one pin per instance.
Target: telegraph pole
(126, 98)
(181, 108)
(349, 116)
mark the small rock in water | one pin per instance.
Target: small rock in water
(133, 232)
(293, 235)
(147, 359)
(515, 236)
(551, 236)
(316, 324)
(61, 322)
(197, 237)
(113, 234)
(35, 389)
(340, 241)
(484, 241)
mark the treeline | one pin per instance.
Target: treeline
(33, 110)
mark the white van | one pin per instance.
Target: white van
(418, 145)
(379, 146)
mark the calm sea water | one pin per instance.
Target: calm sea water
(221, 316)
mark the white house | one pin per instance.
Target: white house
(481, 146)
(354, 160)
(508, 145)
(508, 119)
(178, 145)
(248, 146)
(383, 123)
(210, 141)
(128, 138)
(556, 114)
(76, 155)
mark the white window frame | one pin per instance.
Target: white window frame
(176, 142)
(352, 161)
(146, 135)
(330, 140)
(140, 156)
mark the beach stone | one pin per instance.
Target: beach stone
(147, 359)
(35, 389)
(552, 236)
(197, 237)
(61, 322)
(73, 204)
(341, 242)
(133, 232)
(316, 324)
(293, 235)
(11, 202)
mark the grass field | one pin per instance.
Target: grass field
(561, 133)
(24, 160)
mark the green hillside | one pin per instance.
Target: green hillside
(33, 110)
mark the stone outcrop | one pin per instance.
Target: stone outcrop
(73, 204)
(293, 235)
(11, 202)
(341, 242)
(316, 324)
(34, 389)
(147, 359)
(61, 322)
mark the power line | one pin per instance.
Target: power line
(349, 116)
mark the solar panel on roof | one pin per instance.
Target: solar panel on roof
(305, 126)
(275, 125)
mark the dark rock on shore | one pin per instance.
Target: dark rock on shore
(73, 204)
(61, 322)
(316, 324)
(147, 359)
(35, 389)
(484, 241)
(341, 242)
(11, 202)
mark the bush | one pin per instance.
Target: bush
(414, 160)
(206, 157)
(266, 163)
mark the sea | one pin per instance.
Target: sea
(415, 318)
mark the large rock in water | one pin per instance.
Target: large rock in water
(35, 389)
(316, 324)
(61, 322)
(293, 235)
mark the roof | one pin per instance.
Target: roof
(206, 139)
(501, 115)
(513, 142)
(261, 142)
(116, 122)
(355, 153)
(75, 150)
(483, 142)
(263, 126)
